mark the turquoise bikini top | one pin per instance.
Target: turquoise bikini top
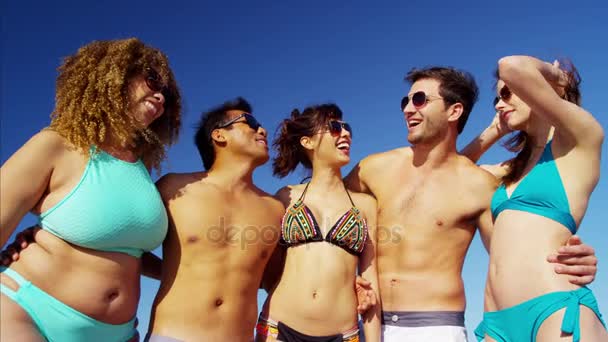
(115, 207)
(541, 192)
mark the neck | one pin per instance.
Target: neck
(539, 133)
(232, 174)
(436, 152)
(119, 151)
(326, 177)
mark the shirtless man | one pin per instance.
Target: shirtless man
(222, 231)
(430, 201)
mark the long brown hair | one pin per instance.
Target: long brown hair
(521, 143)
(290, 152)
(92, 98)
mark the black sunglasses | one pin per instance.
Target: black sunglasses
(504, 94)
(249, 120)
(155, 82)
(335, 127)
(419, 99)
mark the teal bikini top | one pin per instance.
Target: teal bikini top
(541, 192)
(115, 207)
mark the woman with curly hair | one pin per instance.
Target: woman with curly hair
(543, 196)
(329, 233)
(86, 177)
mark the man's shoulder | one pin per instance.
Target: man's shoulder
(173, 183)
(476, 177)
(286, 194)
(381, 158)
(364, 200)
(270, 199)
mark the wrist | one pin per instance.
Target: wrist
(492, 133)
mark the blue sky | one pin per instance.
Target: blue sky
(285, 55)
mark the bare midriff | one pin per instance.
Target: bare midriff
(101, 285)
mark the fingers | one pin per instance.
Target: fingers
(9, 255)
(5, 259)
(584, 280)
(556, 63)
(578, 270)
(576, 250)
(372, 297)
(574, 240)
(362, 282)
(22, 239)
(366, 300)
(589, 260)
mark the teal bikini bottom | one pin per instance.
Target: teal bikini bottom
(521, 322)
(59, 322)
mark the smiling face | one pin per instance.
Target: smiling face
(426, 122)
(145, 104)
(330, 145)
(513, 111)
(243, 137)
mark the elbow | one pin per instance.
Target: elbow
(511, 68)
(598, 135)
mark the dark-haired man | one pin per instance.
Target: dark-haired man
(222, 231)
(430, 201)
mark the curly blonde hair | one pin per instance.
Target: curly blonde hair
(92, 99)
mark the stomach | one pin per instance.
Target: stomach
(101, 285)
(316, 292)
(518, 269)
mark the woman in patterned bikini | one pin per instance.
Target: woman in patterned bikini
(328, 233)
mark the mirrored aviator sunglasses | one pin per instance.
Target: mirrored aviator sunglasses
(335, 127)
(419, 99)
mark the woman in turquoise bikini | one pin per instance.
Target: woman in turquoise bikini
(543, 196)
(87, 179)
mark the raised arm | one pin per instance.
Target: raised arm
(24, 179)
(539, 85)
(368, 269)
(488, 137)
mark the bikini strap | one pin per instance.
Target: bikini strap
(13, 275)
(348, 193)
(16, 277)
(303, 193)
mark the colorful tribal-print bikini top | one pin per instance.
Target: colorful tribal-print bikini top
(299, 226)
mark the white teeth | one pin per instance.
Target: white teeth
(343, 145)
(149, 105)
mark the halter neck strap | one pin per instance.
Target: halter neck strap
(345, 189)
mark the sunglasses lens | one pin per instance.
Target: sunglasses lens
(496, 99)
(404, 102)
(505, 93)
(419, 99)
(252, 122)
(347, 128)
(335, 127)
(153, 81)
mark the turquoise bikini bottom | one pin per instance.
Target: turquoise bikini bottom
(59, 322)
(521, 322)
